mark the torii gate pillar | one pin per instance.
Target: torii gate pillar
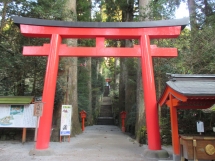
(149, 95)
(143, 31)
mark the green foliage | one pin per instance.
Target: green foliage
(158, 10)
(84, 10)
(132, 116)
(51, 9)
(83, 91)
(142, 135)
(165, 125)
(19, 75)
(203, 51)
(115, 10)
(24, 75)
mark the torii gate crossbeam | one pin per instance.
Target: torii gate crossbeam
(58, 30)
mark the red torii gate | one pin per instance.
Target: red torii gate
(57, 30)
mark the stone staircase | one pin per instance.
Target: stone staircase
(106, 114)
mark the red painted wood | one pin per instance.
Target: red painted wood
(44, 130)
(153, 130)
(114, 33)
(123, 116)
(83, 124)
(98, 51)
(172, 102)
(174, 126)
(194, 107)
(166, 93)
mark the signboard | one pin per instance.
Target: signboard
(66, 114)
(200, 126)
(38, 109)
(18, 116)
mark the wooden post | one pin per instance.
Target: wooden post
(36, 129)
(23, 135)
(83, 119)
(152, 125)
(49, 93)
(174, 127)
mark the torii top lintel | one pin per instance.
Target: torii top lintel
(155, 29)
(32, 27)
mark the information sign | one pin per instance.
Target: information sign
(66, 114)
(18, 116)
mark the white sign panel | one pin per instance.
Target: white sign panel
(18, 116)
(200, 126)
(66, 114)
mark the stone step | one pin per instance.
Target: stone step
(106, 92)
(104, 98)
(105, 121)
(105, 114)
(106, 101)
(106, 109)
(106, 106)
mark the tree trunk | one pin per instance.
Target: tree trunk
(127, 72)
(140, 114)
(122, 85)
(192, 13)
(68, 78)
(3, 15)
(90, 114)
(71, 74)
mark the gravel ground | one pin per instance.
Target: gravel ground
(96, 143)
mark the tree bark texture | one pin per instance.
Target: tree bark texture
(140, 112)
(192, 13)
(90, 114)
(68, 77)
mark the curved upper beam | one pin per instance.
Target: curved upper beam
(144, 24)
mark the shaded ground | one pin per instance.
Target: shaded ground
(96, 143)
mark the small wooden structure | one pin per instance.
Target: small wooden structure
(187, 92)
(197, 147)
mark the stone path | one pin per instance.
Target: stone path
(96, 143)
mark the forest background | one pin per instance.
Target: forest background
(81, 81)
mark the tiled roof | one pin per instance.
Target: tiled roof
(193, 85)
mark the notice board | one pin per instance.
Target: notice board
(17, 116)
(66, 113)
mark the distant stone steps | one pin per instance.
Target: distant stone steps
(106, 115)
(105, 121)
